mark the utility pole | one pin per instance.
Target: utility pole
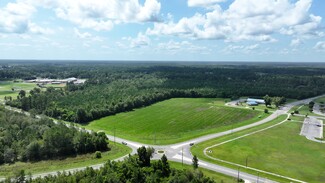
(258, 177)
(238, 175)
(182, 156)
(114, 135)
(155, 138)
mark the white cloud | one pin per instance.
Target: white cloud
(102, 14)
(140, 41)
(320, 46)
(245, 20)
(296, 42)
(203, 3)
(174, 47)
(16, 18)
(241, 48)
(87, 36)
(82, 35)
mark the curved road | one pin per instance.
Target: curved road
(180, 152)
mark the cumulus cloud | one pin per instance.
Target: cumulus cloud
(245, 20)
(140, 41)
(241, 48)
(102, 14)
(175, 46)
(81, 35)
(320, 46)
(15, 18)
(296, 42)
(203, 3)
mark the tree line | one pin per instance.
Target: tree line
(23, 138)
(113, 88)
(134, 169)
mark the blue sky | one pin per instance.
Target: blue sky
(173, 30)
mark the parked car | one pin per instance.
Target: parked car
(191, 144)
(124, 143)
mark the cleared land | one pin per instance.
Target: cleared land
(116, 151)
(278, 150)
(176, 120)
(10, 88)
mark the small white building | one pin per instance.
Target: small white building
(254, 102)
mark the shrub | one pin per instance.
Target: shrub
(98, 155)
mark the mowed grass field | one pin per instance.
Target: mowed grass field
(279, 150)
(7, 86)
(176, 120)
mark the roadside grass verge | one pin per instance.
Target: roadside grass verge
(116, 151)
(209, 173)
(176, 120)
(278, 150)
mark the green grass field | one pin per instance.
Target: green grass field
(304, 110)
(7, 86)
(176, 120)
(320, 100)
(116, 151)
(55, 85)
(279, 150)
(217, 177)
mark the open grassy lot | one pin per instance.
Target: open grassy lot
(279, 150)
(117, 150)
(270, 108)
(55, 85)
(10, 88)
(303, 110)
(260, 107)
(209, 173)
(320, 100)
(176, 120)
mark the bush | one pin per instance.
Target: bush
(266, 111)
(98, 155)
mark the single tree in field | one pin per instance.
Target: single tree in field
(195, 162)
(268, 100)
(276, 101)
(22, 93)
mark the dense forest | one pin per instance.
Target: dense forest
(114, 87)
(23, 138)
(134, 169)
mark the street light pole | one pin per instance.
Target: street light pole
(182, 156)
(114, 135)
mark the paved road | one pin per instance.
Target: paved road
(180, 152)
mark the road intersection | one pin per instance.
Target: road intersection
(180, 152)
